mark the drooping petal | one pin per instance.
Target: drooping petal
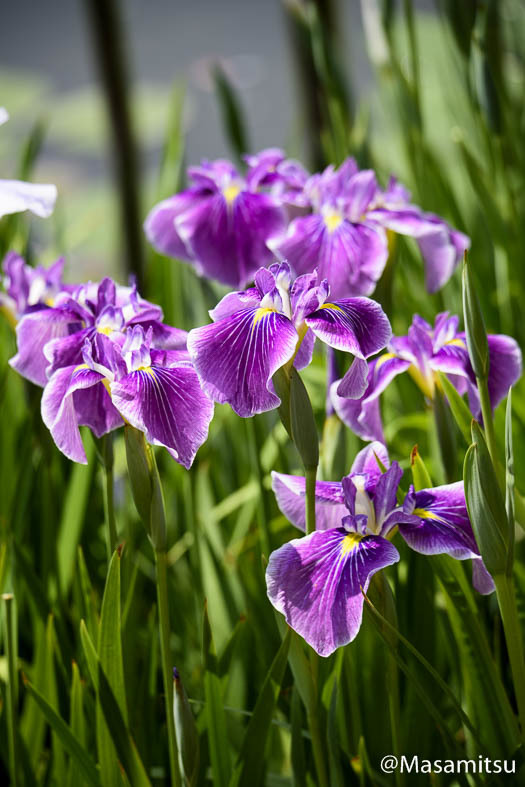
(366, 461)
(160, 224)
(234, 301)
(75, 396)
(438, 522)
(362, 416)
(350, 256)
(17, 196)
(168, 405)
(481, 579)
(290, 492)
(355, 325)
(316, 583)
(33, 332)
(505, 366)
(236, 357)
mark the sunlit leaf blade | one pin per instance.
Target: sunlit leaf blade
(215, 718)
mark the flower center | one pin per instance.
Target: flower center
(231, 192)
(332, 221)
(349, 543)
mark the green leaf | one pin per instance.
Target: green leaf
(509, 481)
(66, 736)
(73, 515)
(232, 118)
(77, 723)
(476, 334)
(487, 702)
(485, 505)
(252, 754)
(215, 717)
(109, 652)
(186, 733)
(304, 429)
(420, 474)
(460, 410)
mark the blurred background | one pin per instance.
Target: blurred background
(50, 73)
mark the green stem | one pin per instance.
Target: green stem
(394, 712)
(315, 727)
(263, 516)
(514, 640)
(12, 686)
(109, 506)
(488, 422)
(311, 473)
(161, 562)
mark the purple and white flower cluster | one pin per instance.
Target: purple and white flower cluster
(317, 581)
(229, 225)
(104, 357)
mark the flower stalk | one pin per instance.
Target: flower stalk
(12, 699)
(109, 507)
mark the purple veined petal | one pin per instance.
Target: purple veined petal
(385, 496)
(445, 329)
(505, 366)
(453, 358)
(290, 493)
(316, 582)
(350, 256)
(305, 351)
(165, 337)
(228, 238)
(236, 357)
(362, 416)
(437, 522)
(168, 405)
(75, 396)
(481, 579)
(33, 332)
(366, 461)
(359, 193)
(355, 325)
(354, 383)
(160, 224)
(17, 196)
(234, 302)
(65, 351)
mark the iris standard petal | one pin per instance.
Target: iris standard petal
(168, 405)
(236, 357)
(316, 582)
(290, 492)
(160, 224)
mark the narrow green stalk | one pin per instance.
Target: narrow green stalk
(262, 510)
(311, 473)
(392, 673)
(314, 726)
(514, 640)
(161, 563)
(488, 422)
(109, 507)
(12, 703)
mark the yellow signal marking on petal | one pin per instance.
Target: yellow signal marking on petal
(456, 342)
(105, 329)
(385, 357)
(80, 366)
(147, 369)
(349, 543)
(230, 192)
(332, 221)
(424, 513)
(331, 306)
(261, 313)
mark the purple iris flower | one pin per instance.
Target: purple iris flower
(220, 223)
(424, 352)
(17, 196)
(27, 288)
(317, 581)
(345, 236)
(53, 336)
(273, 324)
(155, 390)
